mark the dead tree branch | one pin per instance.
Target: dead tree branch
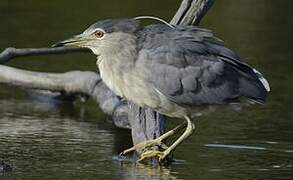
(10, 53)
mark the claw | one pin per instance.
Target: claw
(161, 155)
(144, 145)
(150, 154)
(164, 146)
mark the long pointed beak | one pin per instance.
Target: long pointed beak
(75, 41)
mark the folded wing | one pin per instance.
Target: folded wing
(192, 67)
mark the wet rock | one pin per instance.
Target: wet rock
(4, 167)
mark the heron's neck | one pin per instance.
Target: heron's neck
(119, 52)
(117, 63)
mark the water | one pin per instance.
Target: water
(45, 139)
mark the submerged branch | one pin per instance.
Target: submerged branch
(72, 83)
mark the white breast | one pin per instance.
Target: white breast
(110, 77)
(127, 83)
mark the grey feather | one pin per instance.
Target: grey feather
(115, 25)
(192, 67)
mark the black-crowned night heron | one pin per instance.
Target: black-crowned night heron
(175, 70)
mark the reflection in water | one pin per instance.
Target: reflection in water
(50, 143)
(235, 146)
(139, 171)
(45, 139)
(246, 147)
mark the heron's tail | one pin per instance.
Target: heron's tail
(255, 88)
(263, 80)
(252, 84)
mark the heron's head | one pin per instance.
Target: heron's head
(102, 35)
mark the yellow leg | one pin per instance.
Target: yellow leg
(162, 155)
(154, 142)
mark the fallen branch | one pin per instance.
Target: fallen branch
(10, 53)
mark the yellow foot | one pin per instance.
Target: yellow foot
(144, 145)
(153, 154)
(154, 142)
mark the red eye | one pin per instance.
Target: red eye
(99, 33)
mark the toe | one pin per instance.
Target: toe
(163, 156)
(149, 154)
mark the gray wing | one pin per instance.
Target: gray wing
(192, 67)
